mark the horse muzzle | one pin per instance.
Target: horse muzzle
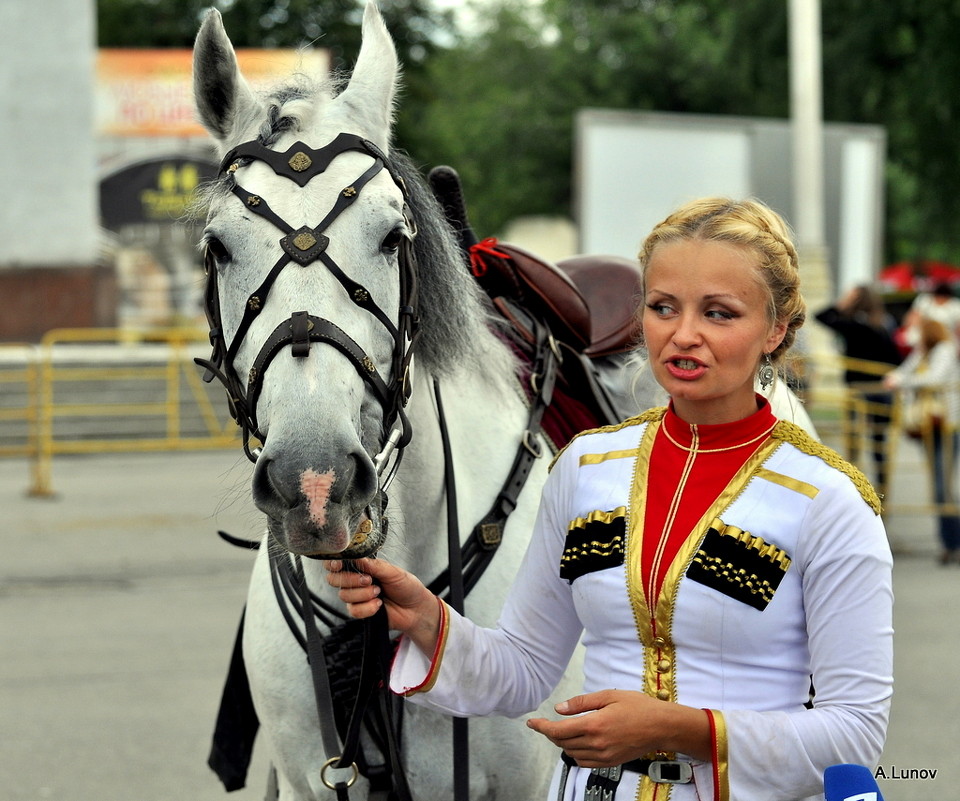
(327, 513)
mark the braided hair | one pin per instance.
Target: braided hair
(749, 224)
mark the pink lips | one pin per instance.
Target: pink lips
(685, 369)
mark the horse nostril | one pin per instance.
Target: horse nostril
(344, 481)
(267, 491)
(365, 475)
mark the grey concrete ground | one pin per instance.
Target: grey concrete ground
(118, 606)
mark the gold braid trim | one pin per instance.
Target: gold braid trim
(721, 768)
(765, 549)
(644, 417)
(790, 432)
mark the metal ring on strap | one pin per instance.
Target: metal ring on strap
(329, 764)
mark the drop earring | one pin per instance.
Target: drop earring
(765, 373)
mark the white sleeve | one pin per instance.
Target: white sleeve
(511, 669)
(846, 569)
(907, 367)
(941, 368)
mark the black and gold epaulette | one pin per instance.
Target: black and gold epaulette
(656, 413)
(802, 441)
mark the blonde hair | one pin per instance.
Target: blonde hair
(749, 224)
(932, 333)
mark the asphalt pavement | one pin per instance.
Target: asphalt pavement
(119, 604)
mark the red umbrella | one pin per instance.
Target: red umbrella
(917, 276)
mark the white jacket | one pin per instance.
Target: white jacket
(826, 613)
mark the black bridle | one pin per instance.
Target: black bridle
(303, 246)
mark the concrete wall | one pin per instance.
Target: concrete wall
(48, 214)
(48, 158)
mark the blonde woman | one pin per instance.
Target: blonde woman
(718, 563)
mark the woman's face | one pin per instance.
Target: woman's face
(705, 325)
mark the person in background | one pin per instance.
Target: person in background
(863, 326)
(930, 374)
(941, 305)
(718, 563)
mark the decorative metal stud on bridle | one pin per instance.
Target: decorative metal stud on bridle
(304, 246)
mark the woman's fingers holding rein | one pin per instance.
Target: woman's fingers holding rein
(346, 575)
(356, 589)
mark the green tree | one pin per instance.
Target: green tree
(498, 101)
(897, 65)
(499, 112)
(505, 100)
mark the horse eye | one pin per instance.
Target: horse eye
(215, 252)
(391, 242)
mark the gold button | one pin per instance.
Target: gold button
(300, 161)
(664, 665)
(305, 241)
(663, 695)
(659, 642)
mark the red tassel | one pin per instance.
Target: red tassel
(477, 266)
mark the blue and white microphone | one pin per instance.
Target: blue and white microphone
(850, 783)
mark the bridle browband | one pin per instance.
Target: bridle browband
(303, 246)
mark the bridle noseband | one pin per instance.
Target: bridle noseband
(303, 246)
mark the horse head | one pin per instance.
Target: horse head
(311, 292)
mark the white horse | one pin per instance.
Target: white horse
(321, 414)
(308, 242)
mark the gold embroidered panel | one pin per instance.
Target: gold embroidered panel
(594, 542)
(738, 564)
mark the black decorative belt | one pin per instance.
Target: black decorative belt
(602, 784)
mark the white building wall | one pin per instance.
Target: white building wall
(48, 208)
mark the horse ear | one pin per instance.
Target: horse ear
(224, 101)
(368, 97)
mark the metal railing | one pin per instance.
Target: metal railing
(103, 390)
(872, 432)
(87, 391)
(18, 400)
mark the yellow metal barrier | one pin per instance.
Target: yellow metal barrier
(871, 434)
(85, 391)
(18, 410)
(102, 390)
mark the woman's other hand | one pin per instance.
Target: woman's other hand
(620, 725)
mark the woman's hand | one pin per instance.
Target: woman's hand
(621, 725)
(367, 584)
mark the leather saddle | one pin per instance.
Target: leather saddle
(588, 303)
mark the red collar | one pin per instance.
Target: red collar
(720, 436)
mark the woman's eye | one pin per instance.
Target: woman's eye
(216, 253)
(660, 309)
(391, 242)
(720, 314)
